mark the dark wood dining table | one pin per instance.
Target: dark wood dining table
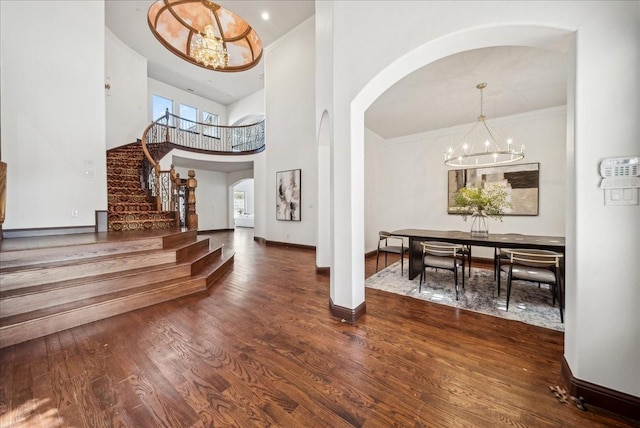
(495, 240)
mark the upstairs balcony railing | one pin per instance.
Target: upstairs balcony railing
(177, 132)
(171, 131)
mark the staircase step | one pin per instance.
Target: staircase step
(75, 252)
(134, 188)
(117, 170)
(141, 216)
(134, 225)
(28, 299)
(23, 327)
(38, 308)
(192, 258)
(138, 199)
(36, 274)
(120, 207)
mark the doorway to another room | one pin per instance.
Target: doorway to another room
(243, 208)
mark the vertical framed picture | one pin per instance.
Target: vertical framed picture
(288, 188)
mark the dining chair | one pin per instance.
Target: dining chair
(499, 257)
(385, 247)
(466, 250)
(541, 266)
(443, 255)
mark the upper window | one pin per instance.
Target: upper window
(211, 119)
(190, 118)
(160, 106)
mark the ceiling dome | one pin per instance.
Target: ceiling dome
(178, 23)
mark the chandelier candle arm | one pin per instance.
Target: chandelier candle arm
(465, 155)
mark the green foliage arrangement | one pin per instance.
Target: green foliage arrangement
(492, 201)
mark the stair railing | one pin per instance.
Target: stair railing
(171, 131)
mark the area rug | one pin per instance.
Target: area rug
(528, 303)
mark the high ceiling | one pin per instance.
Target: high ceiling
(127, 19)
(439, 95)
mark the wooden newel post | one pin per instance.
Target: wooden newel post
(192, 217)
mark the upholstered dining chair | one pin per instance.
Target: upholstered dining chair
(541, 266)
(443, 255)
(388, 244)
(499, 257)
(466, 250)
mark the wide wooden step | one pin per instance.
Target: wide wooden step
(99, 277)
(191, 259)
(17, 277)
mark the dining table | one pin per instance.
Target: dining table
(495, 240)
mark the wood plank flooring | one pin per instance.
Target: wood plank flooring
(260, 348)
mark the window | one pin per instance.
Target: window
(211, 119)
(239, 204)
(190, 117)
(160, 106)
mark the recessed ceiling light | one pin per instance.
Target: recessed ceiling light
(265, 16)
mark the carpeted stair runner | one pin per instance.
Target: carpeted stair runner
(129, 207)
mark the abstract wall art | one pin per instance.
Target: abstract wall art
(520, 181)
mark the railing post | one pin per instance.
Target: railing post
(192, 217)
(166, 135)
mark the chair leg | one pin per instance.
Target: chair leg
(463, 268)
(509, 281)
(455, 276)
(377, 259)
(401, 263)
(499, 277)
(558, 290)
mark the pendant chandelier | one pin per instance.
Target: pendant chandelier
(482, 146)
(205, 34)
(207, 49)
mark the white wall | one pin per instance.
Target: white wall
(409, 190)
(376, 171)
(213, 205)
(211, 198)
(53, 112)
(126, 102)
(602, 336)
(291, 142)
(179, 96)
(250, 106)
(324, 132)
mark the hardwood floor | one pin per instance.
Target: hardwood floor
(260, 348)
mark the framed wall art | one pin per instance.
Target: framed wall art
(288, 188)
(521, 182)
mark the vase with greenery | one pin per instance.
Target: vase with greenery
(480, 203)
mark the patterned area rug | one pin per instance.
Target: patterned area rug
(528, 303)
